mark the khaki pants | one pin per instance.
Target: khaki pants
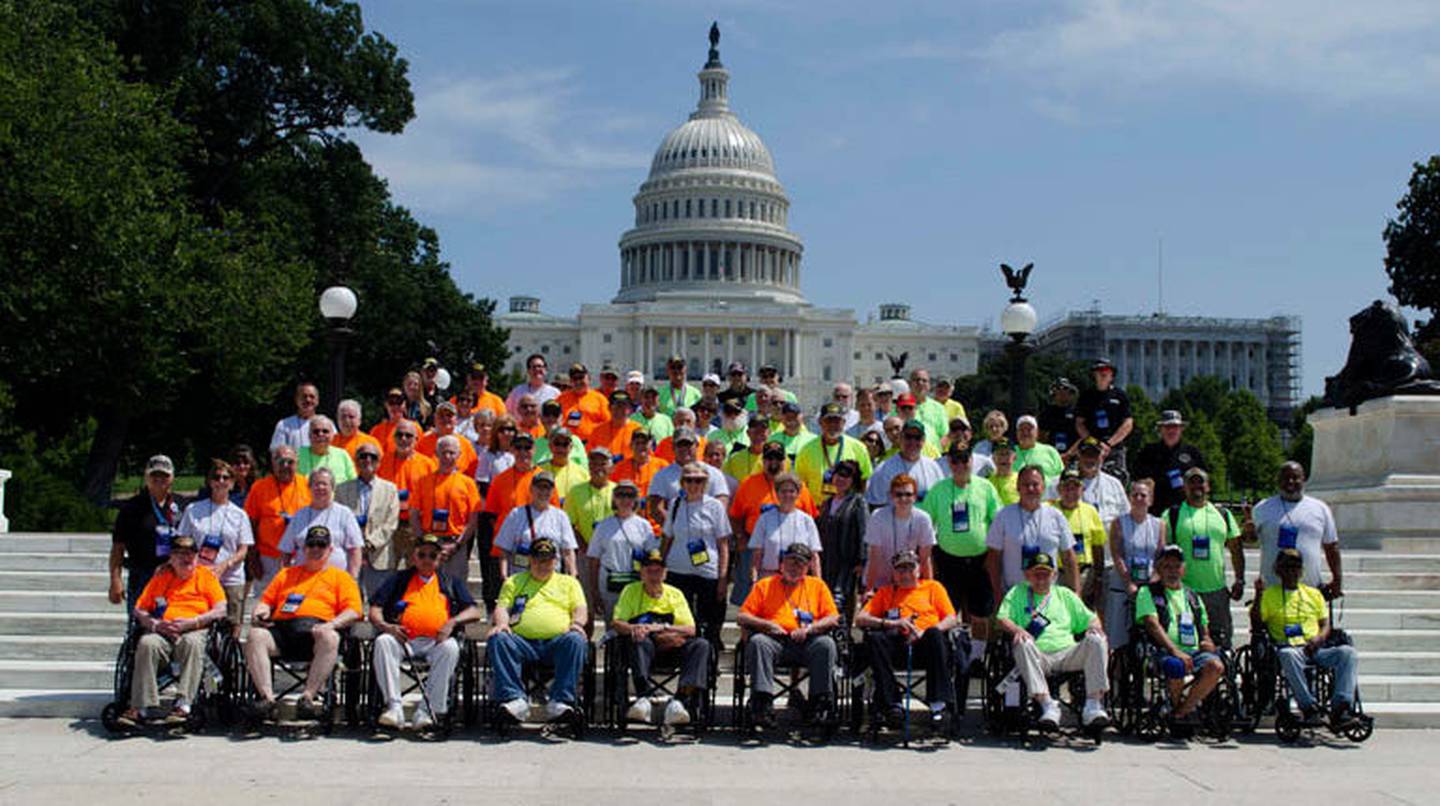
(153, 651)
(1091, 655)
(235, 604)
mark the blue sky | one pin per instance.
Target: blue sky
(922, 143)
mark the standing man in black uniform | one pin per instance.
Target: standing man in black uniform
(1104, 413)
(1057, 420)
(1165, 462)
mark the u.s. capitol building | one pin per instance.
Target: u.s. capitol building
(711, 271)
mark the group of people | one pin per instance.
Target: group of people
(653, 507)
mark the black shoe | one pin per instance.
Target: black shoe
(940, 722)
(1342, 718)
(895, 718)
(762, 714)
(822, 711)
(1311, 718)
(308, 709)
(261, 710)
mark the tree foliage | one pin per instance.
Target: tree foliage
(989, 387)
(1412, 246)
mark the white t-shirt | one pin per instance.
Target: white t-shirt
(291, 431)
(1016, 532)
(615, 543)
(542, 393)
(697, 530)
(492, 464)
(344, 533)
(926, 472)
(219, 529)
(517, 532)
(1306, 525)
(666, 482)
(775, 531)
(894, 535)
(1104, 492)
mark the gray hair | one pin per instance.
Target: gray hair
(281, 450)
(322, 471)
(323, 420)
(483, 415)
(448, 439)
(350, 404)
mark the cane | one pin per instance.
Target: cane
(909, 667)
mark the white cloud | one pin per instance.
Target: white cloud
(1333, 52)
(480, 143)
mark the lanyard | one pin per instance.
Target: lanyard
(1030, 596)
(162, 514)
(530, 518)
(825, 454)
(895, 530)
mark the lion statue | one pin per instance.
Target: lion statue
(1382, 361)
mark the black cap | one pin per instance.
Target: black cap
(551, 407)
(182, 543)
(1071, 473)
(732, 406)
(619, 397)
(773, 450)
(1040, 560)
(790, 407)
(1090, 445)
(799, 551)
(317, 536)
(1001, 444)
(653, 557)
(429, 540)
(477, 370)
(544, 547)
(1102, 363)
(758, 420)
(1172, 550)
(832, 410)
(523, 436)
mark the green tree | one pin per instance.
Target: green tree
(989, 387)
(1200, 431)
(1302, 444)
(1145, 415)
(1203, 393)
(1412, 249)
(1252, 443)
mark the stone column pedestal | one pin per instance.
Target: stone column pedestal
(1379, 470)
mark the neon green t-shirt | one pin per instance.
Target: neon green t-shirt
(1063, 609)
(932, 415)
(586, 506)
(741, 465)
(670, 401)
(547, 607)
(336, 459)
(1292, 617)
(568, 475)
(795, 443)
(1045, 456)
(660, 426)
(1179, 607)
(728, 438)
(815, 459)
(953, 409)
(1006, 487)
(1203, 534)
(577, 452)
(1086, 529)
(962, 516)
(634, 602)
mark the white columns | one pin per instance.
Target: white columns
(705, 347)
(754, 351)
(729, 350)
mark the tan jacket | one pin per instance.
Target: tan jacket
(381, 521)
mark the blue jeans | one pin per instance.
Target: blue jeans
(509, 653)
(1342, 659)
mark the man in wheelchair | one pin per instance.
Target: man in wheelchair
(539, 618)
(416, 614)
(652, 617)
(789, 616)
(300, 617)
(1042, 619)
(1174, 619)
(909, 621)
(181, 600)
(1297, 621)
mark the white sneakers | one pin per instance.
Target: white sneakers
(1050, 714)
(423, 719)
(555, 710)
(518, 708)
(1094, 714)
(394, 716)
(640, 710)
(675, 713)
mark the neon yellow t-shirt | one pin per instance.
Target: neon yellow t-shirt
(1292, 617)
(815, 459)
(547, 606)
(1085, 528)
(1006, 487)
(634, 603)
(587, 506)
(1175, 601)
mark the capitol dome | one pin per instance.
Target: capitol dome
(711, 218)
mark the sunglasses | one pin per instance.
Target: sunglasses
(284, 462)
(221, 477)
(625, 495)
(696, 480)
(394, 401)
(903, 494)
(428, 555)
(367, 457)
(404, 436)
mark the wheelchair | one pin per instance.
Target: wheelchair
(462, 700)
(869, 723)
(789, 679)
(1008, 708)
(664, 682)
(344, 690)
(1139, 700)
(215, 700)
(537, 678)
(1266, 689)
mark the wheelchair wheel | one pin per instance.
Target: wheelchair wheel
(110, 717)
(1287, 726)
(1361, 730)
(1249, 697)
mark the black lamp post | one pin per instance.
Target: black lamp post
(337, 305)
(1018, 321)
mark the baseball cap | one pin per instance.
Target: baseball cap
(1039, 560)
(1063, 383)
(395, 395)
(609, 369)
(757, 421)
(182, 542)
(640, 435)
(620, 398)
(1090, 445)
(710, 378)
(1288, 555)
(431, 363)
(960, 422)
(653, 557)
(832, 410)
(735, 366)
(1197, 471)
(1071, 473)
(560, 433)
(773, 450)
(317, 536)
(1102, 363)
(1171, 550)
(429, 540)
(543, 547)
(900, 385)
(525, 437)
(578, 368)
(543, 477)
(913, 425)
(905, 399)
(675, 360)
(635, 376)
(1001, 444)
(733, 406)
(477, 369)
(447, 406)
(160, 463)
(790, 407)
(685, 435)
(626, 484)
(799, 551)
(906, 557)
(1171, 417)
(551, 407)
(1028, 419)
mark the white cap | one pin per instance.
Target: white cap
(635, 376)
(900, 386)
(1027, 419)
(711, 378)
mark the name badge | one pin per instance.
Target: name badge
(159, 610)
(767, 507)
(828, 475)
(1293, 632)
(404, 496)
(285, 516)
(805, 617)
(518, 606)
(1102, 419)
(210, 547)
(1200, 547)
(699, 554)
(892, 613)
(1079, 543)
(439, 518)
(362, 520)
(292, 602)
(960, 516)
(636, 558)
(1288, 536)
(1061, 442)
(1037, 625)
(163, 533)
(521, 558)
(1139, 568)
(1185, 625)
(920, 495)
(574, 417)
(1177, 479)
(1028, 551)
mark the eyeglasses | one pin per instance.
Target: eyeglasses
(695, 480)
(427, 555)
(284, 462)
(507, 429)
(903, 494)
(403, 435)
(367, 457)
(221, 477)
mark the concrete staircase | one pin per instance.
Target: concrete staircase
(59, 634)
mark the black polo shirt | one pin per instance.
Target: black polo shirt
(1103, 412)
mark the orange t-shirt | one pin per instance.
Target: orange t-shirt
(271, 507)
(453, 492)
(428, 608)
(927, 603)
(405, 475)
(385, 432)
(627, 471)
(508, 490)
(666, 449)
(324, 594)
(615, 440)
(771, 600)
(468, 458)
(352, 443)
(593, 408)
(755, 493)
(184, 598)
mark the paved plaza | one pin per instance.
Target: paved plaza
(72, 762)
